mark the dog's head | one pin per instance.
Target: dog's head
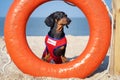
(58, 17)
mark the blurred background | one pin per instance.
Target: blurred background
(36, 26)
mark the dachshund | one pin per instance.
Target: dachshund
(55, 39)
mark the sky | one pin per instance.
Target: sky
(47, 8)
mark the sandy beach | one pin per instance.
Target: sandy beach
(75, 46)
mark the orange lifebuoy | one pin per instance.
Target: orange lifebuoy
(84, 65)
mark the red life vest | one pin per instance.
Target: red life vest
(51, 45)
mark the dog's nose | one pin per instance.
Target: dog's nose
(68, 20)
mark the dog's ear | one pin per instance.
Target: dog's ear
(49, 21)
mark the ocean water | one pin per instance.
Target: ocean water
(37, 27)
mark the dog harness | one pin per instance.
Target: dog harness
(51, 45)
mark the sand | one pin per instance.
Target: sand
(75, 46)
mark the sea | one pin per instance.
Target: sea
(35, 26)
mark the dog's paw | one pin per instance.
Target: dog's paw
(64, 59)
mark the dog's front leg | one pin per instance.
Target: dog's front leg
(46, 57)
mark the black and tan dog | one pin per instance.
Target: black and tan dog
(55, 40)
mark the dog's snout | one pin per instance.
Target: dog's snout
(68, 20)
